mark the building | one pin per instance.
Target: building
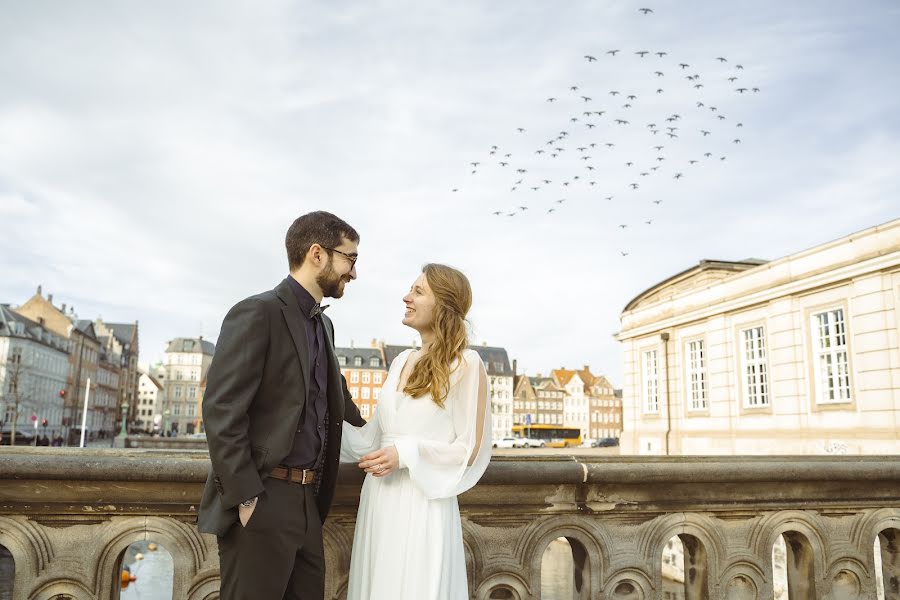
(795, 356)
(186, 363)
(84, 357)
(576, 410)
(105, 401)
(34, 369)
(123, 339)
(365, 370)
(538, 401)
(605, 416)
(151, 394)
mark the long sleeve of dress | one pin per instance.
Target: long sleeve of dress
(356, 442)
(443, 469)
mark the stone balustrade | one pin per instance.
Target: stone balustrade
(67, 516)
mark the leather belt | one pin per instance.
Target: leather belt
(293, 474)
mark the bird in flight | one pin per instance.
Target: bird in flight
(621, 122)
(741, 67)
(683, 65)
(700, 105)
(634, 186)
(754, 90)
(631, 97)
(708, 154)
(550, 210)
(590, 125)
(455, 190)
(721, 59)
(704, 132)
(646, 11)
(475, 164)
(678, 176)
(609, 198)
(692, 162)
(551, 99)
(740, 90)
(520, 129)
(574, 88)
(657, 202)
(613, 93)
(732, 79)
(629, 163)
(660, 74)
(649, 222)
(623, 253)
(590, 58)
(613, 52)
(623, 226)
(498, 212)
(740, 125)
(503, 164)
(586, 98)
(661, 54)
(626, 106)
(642, 53)
(658, 148)
(698, 86)
(561, 200)
(737, 140)
(659, 90)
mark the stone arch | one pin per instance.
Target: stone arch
(586, 549)
(745, 567)
(474, 554)
(30, 548)
(806, 550)
(181, 541)
(864, 530)
(65, 587)
(702, 541)
(205, 585)
(338, 540)
(629, 584)
(503, 580)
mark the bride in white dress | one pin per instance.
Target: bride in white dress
(428, 441)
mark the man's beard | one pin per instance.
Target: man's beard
(330, 282)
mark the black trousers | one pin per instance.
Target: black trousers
(279, 555)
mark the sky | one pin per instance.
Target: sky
(153, 155)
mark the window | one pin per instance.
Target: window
(366, 393)
(498, 367)
(342, 360)
(650, 377)
(374, 362)
(376, 378)
(176, 410)
(366, 377)
(696, 375)
(190, 410)
(756, 381)
(354, 391)
(357, 361)
(178, 391)
(364, 411)
(354, 376)
(192, 392)
(832, 368)
(376, 393)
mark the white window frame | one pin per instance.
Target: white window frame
(695, 374)
(366, 377)
(354, 376)
(754, 367)
(650, 381)
(366, 393)
(377, 378)
(829, 343)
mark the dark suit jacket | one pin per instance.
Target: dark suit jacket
(255, 397)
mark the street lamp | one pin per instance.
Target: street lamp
(124, 431)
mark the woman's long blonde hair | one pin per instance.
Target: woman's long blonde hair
(453, 299)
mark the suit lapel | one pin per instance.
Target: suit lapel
(294, 320)
(335, 389)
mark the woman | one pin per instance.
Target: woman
(428, 441)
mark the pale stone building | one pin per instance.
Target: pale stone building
(187, 361)
(151, 394)
(795, 356)
(537, 400)
(576, 409)
(34, 367)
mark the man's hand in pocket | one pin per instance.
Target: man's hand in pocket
(245, 512)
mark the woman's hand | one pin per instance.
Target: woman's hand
(381, 462)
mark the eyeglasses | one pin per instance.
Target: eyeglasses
(351, 257)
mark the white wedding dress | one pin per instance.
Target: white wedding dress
(408, 540)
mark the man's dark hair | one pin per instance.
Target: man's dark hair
(318, 227)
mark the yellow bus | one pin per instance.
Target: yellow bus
(551, 436)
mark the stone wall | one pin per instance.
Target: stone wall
(67, 516)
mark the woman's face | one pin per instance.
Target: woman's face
(419, 305)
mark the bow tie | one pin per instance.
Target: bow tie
(317, 310)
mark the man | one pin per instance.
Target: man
(275, 400)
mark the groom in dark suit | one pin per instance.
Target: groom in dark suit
(275, 400)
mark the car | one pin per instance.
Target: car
(528, 442)
(507, 442)
(605, 442)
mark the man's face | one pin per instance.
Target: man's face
(338, 271)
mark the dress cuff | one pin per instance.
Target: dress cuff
(407, 452)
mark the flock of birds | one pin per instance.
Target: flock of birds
(602, 139)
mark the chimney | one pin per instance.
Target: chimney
(64, 308)
(587, 368)
(39, 290)
(515, 365)
(201, 338)
(50, 298)
(374, 343)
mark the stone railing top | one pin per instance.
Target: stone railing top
(192, 466)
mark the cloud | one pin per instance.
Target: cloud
(153, 155)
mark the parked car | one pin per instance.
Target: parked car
(605, 442)
(507, 442)
(528, 442)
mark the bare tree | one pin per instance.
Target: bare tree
(19, 392)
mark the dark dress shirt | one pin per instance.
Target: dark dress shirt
(307, 451)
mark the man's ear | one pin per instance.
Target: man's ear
(315, 253)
